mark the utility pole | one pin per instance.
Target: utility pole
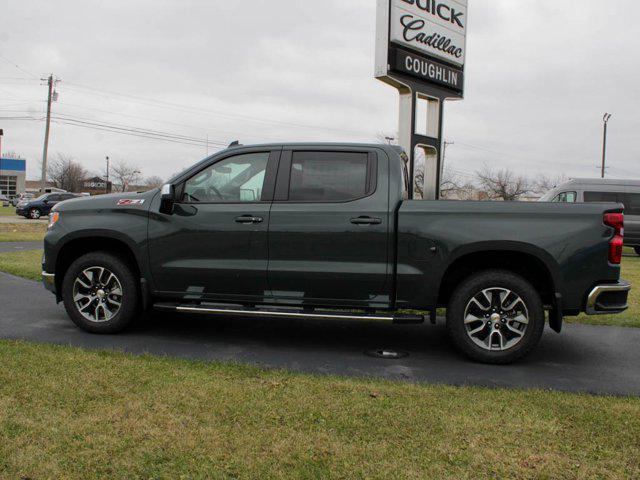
(106, 188)
(1, 134)
(444, 150)
(45, 151)
(605, 119)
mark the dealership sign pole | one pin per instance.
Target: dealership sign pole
(420, 50)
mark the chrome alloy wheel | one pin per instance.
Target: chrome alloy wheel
(496, 319)
(97, 294)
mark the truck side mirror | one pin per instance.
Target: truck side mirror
(167, 199)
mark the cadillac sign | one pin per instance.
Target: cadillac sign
(424, 39)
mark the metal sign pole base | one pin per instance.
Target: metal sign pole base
(418, 141)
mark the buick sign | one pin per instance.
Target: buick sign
(425, 39)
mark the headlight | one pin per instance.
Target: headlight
(53, 219)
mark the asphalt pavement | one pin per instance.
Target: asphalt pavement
(588, 359)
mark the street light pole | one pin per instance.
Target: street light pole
(605, 119)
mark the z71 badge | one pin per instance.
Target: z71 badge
(129, 203)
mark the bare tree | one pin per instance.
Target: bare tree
(543, 183)
(66, 173)
(388, 138)
(502, 184)
(125, 175)
(153, 181)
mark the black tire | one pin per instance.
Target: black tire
(35, 214)
(473, 286)
(129, 300)
(637, 249)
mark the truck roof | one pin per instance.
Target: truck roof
(603, 181)
(317, 144)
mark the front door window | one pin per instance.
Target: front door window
(238, 179)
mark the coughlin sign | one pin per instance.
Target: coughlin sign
(425, 39)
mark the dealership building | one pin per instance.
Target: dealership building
(12, 176)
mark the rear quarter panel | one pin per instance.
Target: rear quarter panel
(569, 239)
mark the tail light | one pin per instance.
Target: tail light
(615, 221)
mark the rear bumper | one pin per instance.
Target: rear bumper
(608, 299)
(49, 281)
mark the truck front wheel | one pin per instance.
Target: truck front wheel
(495, 317)
(100, 293)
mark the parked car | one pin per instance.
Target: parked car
(327, 231)
(22, 198)
(626, 192)
(41, 206)
(4, 201)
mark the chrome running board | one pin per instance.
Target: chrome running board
(288, 313)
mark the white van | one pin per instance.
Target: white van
(626, 192)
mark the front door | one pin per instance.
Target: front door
(329, 228)
(214, 245)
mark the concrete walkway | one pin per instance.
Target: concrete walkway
(6, 247)
(599, 360)
(22, 220)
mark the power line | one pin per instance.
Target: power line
(146, 131)
(199, 144)
(156, 120)
(19, 67)
(190, 108)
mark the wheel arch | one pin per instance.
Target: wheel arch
(528, 261)
(81, 244)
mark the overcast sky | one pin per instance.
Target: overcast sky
(540, 75)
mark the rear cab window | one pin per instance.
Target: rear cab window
(331, 176)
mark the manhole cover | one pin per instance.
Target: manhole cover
(386, 353)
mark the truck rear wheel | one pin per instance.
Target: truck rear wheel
(100, 293)
(495, 317)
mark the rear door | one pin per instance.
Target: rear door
(329, 228)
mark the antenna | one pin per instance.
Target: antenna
(233, 144)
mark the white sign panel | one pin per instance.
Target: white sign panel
(435, 27)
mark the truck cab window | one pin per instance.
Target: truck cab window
(329, 176)
(566, 197)
(238, 179)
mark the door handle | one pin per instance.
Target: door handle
(366, 221)
(248, 219)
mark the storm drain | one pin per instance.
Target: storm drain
(387, 353)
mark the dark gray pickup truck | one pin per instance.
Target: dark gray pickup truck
(327, 231)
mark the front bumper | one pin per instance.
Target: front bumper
(49, 281)
(608, 299)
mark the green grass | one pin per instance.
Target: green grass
(22, 264)
(68, 413)
(6, 211)
(18, 232)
